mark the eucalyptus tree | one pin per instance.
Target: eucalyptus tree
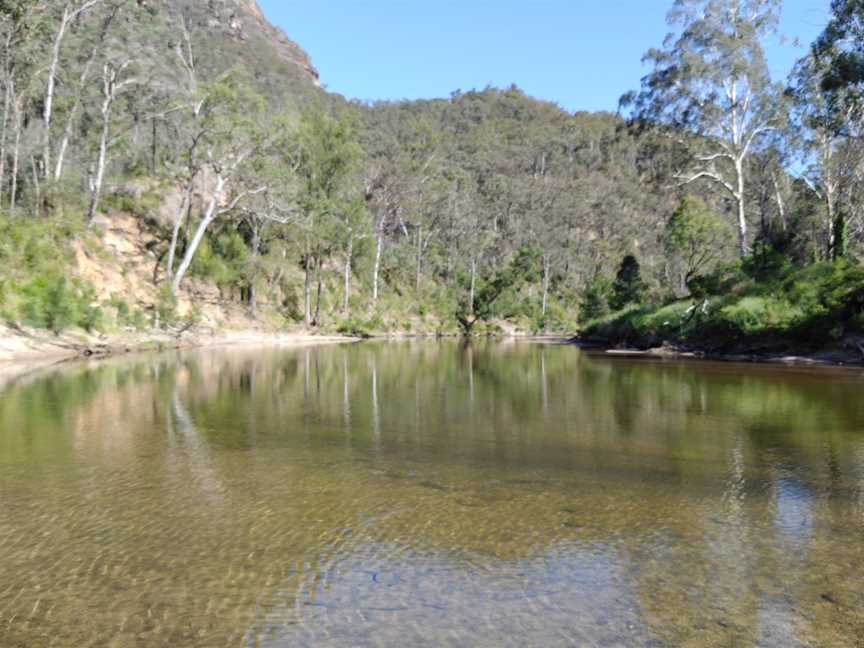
(840, 52)
(265, 219)
(381, 192)
(710, 88)
(826, 151)
(325, 157)
(116, 79)
(69, 11)
(189, 128)
(355, 225)
(836, 113)
(134, 69)
(23, 25)
(232, 128)
(427, 191)
(89, 47)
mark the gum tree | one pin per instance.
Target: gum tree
(710, 88)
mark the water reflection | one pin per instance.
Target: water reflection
(430, 493)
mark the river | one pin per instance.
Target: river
(425, 493)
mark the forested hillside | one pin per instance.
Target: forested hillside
(707, 198)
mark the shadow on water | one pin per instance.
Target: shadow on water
(384, 494)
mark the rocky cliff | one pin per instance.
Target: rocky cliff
(232, 34)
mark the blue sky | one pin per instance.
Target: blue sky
(582, 54)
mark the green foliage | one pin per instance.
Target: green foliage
(142, 204)
(166, 306)
(595, 299)
(720, 281)
(488, 195)
(125, 314)
(840, 232)
(361, 328)
(754, 315)
(32, 246)
(695, 237)
(523, 268)
(628, 285)
(53, 302)
(558, 319)
(224, 258)
(767, 262)
(805, 308)
(840, 45)
(327, 153)
(34, 282)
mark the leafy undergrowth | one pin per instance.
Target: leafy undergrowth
(805, 309)
(37, 287)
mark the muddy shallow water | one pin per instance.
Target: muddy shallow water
(431, 494)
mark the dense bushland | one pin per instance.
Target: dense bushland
(679, 218)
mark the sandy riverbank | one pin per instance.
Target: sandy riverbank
(23, 350)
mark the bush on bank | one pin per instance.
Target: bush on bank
(807, 308)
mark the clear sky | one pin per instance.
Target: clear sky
(582, 54)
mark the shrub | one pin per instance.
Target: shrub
(126, 315)
(53, 302)
(356, 327)
(166, 307)
(718, 282)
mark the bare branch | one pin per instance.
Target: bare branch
(711, 175)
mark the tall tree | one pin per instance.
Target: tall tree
(70, 11)
(325, 157)
(232, 130)
(820, 122)
(840, 51)
(710, 87)
(628, 286)
(836, 65)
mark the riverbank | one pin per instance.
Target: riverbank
(812, 315)
(23, 349)
(848, 355)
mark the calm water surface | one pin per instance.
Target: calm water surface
(430, 494)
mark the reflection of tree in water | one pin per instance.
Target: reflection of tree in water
(474, 454)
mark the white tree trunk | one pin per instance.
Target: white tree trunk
(48, 107)
(3, 127)
(743, 247)
(419, 260)
(348, 255)
(781, 204)
(256, 246)
(96, 182)
(546, 272)
(831, 206)
(307, 291)
(69, 15)
(209, 216)
(37, 196)
(70, 118)
(376, 270)
(16, 154)
(473, 286)
(185, 207)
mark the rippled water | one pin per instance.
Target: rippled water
(430, 494)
